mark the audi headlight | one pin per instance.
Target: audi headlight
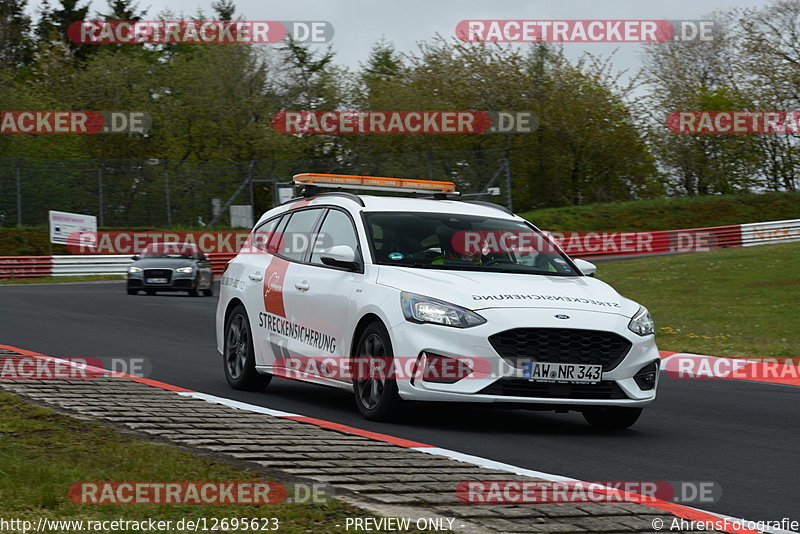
(134, 269)
(419, 309)
(642, 323)
(184, 269)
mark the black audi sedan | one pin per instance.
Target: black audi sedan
(171, 267)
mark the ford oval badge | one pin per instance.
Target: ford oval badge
(562, 316)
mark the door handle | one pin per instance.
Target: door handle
(256, 277)
(302, 286)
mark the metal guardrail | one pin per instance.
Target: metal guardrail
(71, 265)
(74, 265)
(577, 244)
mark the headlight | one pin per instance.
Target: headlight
(642, 323)
(134, 269)
(184, 269)
(419, 309)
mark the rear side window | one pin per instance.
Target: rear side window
(275, 241)
(263, 233)
(297, 236)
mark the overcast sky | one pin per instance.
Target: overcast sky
(359, 23)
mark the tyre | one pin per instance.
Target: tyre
(376, 397)
(209, 292)
(133, 291)
(239, 358)
(150, 291)
(612, 417)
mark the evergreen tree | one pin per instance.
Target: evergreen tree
(16, 45)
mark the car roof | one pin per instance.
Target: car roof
(372, 203)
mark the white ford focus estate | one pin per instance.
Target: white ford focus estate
(429, 299)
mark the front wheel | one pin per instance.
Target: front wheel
(133, 291)
(612, 417)
(376, 392)
(239, 355)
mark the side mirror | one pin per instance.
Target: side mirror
(202, 257)
(587, 268)
(339, 256)
(136, 257)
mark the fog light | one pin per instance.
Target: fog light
(646, 377)
(444, 370)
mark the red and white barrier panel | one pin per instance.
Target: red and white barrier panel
(74, 265)
(610, 244)
(576, 244)
(25, 266)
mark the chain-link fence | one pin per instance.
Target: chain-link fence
(165, 194)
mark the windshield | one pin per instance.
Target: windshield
(187, 251)
(464, 243)
(173, 256)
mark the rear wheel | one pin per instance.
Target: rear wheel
(376, 393)
(239, 356)
(209, 292)
(612, 417)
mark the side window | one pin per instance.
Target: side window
(262, 234)
(297, 235)
(275, 244)
(336, 229)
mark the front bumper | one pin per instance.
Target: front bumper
(500, 381)
(176, 281)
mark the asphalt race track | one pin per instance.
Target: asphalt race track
(742, 435)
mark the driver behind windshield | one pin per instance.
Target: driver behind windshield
(448, 254)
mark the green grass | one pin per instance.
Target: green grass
(43, 453)
(738, 302)
(669, 213)
(59, 279)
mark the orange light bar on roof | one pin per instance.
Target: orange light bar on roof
(347, 181)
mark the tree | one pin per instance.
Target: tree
(123, 10)
(700, 76)
(383, 62)
(54, 23)
(224, 9)
(769, 63)
(16, 45)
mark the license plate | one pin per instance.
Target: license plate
(156, 280)
(562, 372)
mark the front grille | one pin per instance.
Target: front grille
(516, 387)
(158, 273)
(561, 345)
